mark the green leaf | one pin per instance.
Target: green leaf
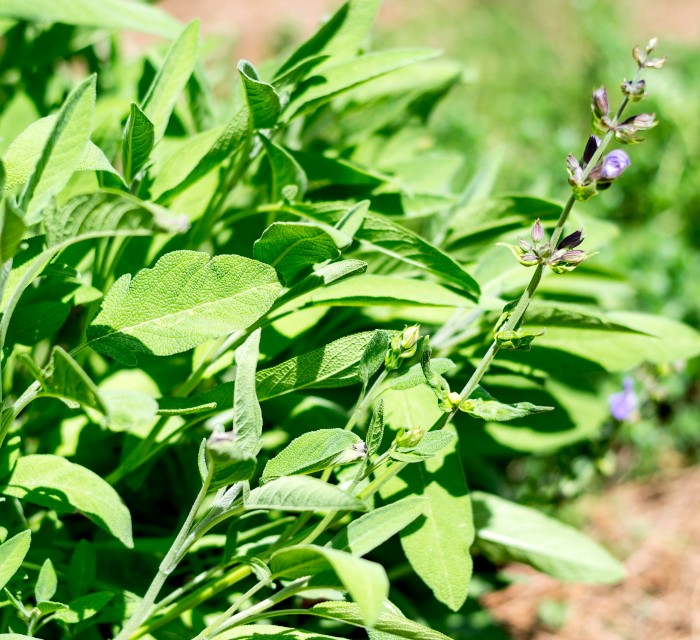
(263, 101)
(54, 482)
(247, 415)
(508, 531)
(171, 79)
(431, 443)
(106, 14)
(314, 451)
(338, 364)
(185, 168)
(62, 151)
(561, 314)
(215, 297)
(12, 229)
(66, 379)
(46, 583)
(325, 275)
(288, 178)
(415, 376)
(372, 529)
(254, 632)
(127, 409)
(137, 142)
(22, 155)
(302, 493)
(338, 78)
(437, 545)
(12, 554)
(108, 213)
(365, 581)
(500, 412)
(387, 622)
(376, 290)
(294, 247)
(82, 568)
(666, 341)
(385, 235)
(84, 607)
(375, 431)
(341, 36)
(15, 636)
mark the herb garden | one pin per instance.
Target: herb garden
(270, 349)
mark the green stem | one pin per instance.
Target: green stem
(178, 549)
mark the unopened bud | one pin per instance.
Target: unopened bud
(591, 147)
(635, 91)
(651, 45)
(599, 102)
(537, 232)
(572, 240)
(408, 438)
(409, 340)
(454, 399)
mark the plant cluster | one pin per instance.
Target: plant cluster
(194, 291)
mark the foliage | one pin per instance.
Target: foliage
(210, 323)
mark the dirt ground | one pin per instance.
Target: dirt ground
(655, 527)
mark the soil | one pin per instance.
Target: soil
(655, 526)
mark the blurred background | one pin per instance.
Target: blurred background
(522, 105)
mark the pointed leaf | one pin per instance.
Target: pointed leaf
(108, 213)
(82, 568)
(288, 178)
(138, 140)
(343, 76)
(415, 376)
(325, 275)
(12, 553)
(263, 101)
(12, 230)
(272, 632)
(186, 299)
(67, 380)
(337, 364)
(508, 531)
(106, 14)
(171, 79)
(56, 483)
(46, 583)
(314, 451)
(375, 431)
(372, 529)
(499, 412)
(293, 247)
(84, 607)
(247, 416)
(431, 443)
(302, 493)
(365, 581)
(62, 151)
(388, 622)
(437, 545)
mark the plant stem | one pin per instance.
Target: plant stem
(177, 551)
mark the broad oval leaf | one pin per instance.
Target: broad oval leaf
(54, 482)
(302, 493)
(508, 531)
(415, 376)
(12, 553)
(46, 583)
(186, 299)
(293, 247)
(314, 451)
(365, 581)
(84, 607)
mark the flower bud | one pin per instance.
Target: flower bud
(651, 45)
(599, 102)
(408, 438)
(537, 232)
(626, 131)
(654, 63)
(572, 240)
(591, 147)
(409, 340)
(635, 91)
(638, 56)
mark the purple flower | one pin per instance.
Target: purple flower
(613, 166)
(624, 403)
